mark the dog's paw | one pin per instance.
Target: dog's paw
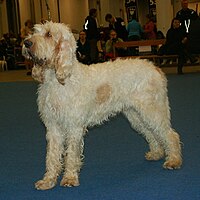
(173, 164)
(69, 182)
(45, 184)
(154, 156)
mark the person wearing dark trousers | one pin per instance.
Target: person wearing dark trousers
(92, 32)
(193, 37)
(176, 42)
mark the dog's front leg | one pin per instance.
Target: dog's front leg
(73, 157)
(55, 148)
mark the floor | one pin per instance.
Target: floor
(14, 75)
(20, 75)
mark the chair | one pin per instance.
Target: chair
(3, 64)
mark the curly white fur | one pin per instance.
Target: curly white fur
(73, 96)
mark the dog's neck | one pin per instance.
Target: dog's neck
(73, 74)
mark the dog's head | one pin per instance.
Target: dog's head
(52, 45)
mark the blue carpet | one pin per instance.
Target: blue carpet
(114, 166)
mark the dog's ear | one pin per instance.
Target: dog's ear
(64, 58)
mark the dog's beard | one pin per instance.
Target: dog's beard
(27, 53)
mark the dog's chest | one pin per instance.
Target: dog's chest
(52, 102)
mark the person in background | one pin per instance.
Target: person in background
(150, 28)
(117, 24)
(43, 21)
(110, 45)
(24, 32)
(194, 37)
(27, 29)
(92, 32)
(186, 15)
(176, 41)
(83, 49)
(101, 45)
(135, 30)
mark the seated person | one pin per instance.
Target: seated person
(135, 30)
(83, 49)
(110, 45)
(176, 41)
(117, 24)
(150, 28)
(101, 46)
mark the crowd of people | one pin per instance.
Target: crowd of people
(100, 42)
(97, 44)
(10, 47)
(180, 37)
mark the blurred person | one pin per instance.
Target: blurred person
(24, 32)
(194, 37)
(117, 24)
(83, 49)
(101, 45)
(176, 41)
(27, 29)
(110, 45)
(150, 28)
(92, 33)
(186, 15)
(135, 30)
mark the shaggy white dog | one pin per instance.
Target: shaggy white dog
(73, 97)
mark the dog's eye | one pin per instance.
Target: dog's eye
(48, 34)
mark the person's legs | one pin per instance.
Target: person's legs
(93, 50)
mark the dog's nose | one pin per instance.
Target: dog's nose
(28, 43)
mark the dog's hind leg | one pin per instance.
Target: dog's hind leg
(155, 115)
(73, 157)
(156, 151)
(54, 154)
(173, 150)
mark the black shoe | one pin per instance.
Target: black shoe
(180, 73)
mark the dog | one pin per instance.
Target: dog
(73, 97)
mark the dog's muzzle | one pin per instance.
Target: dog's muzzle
(27, 45)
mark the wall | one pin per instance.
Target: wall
(74, 13)
(25, 11)
(3, 19)
(164, 15)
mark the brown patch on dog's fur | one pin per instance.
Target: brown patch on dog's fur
(103, 93)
